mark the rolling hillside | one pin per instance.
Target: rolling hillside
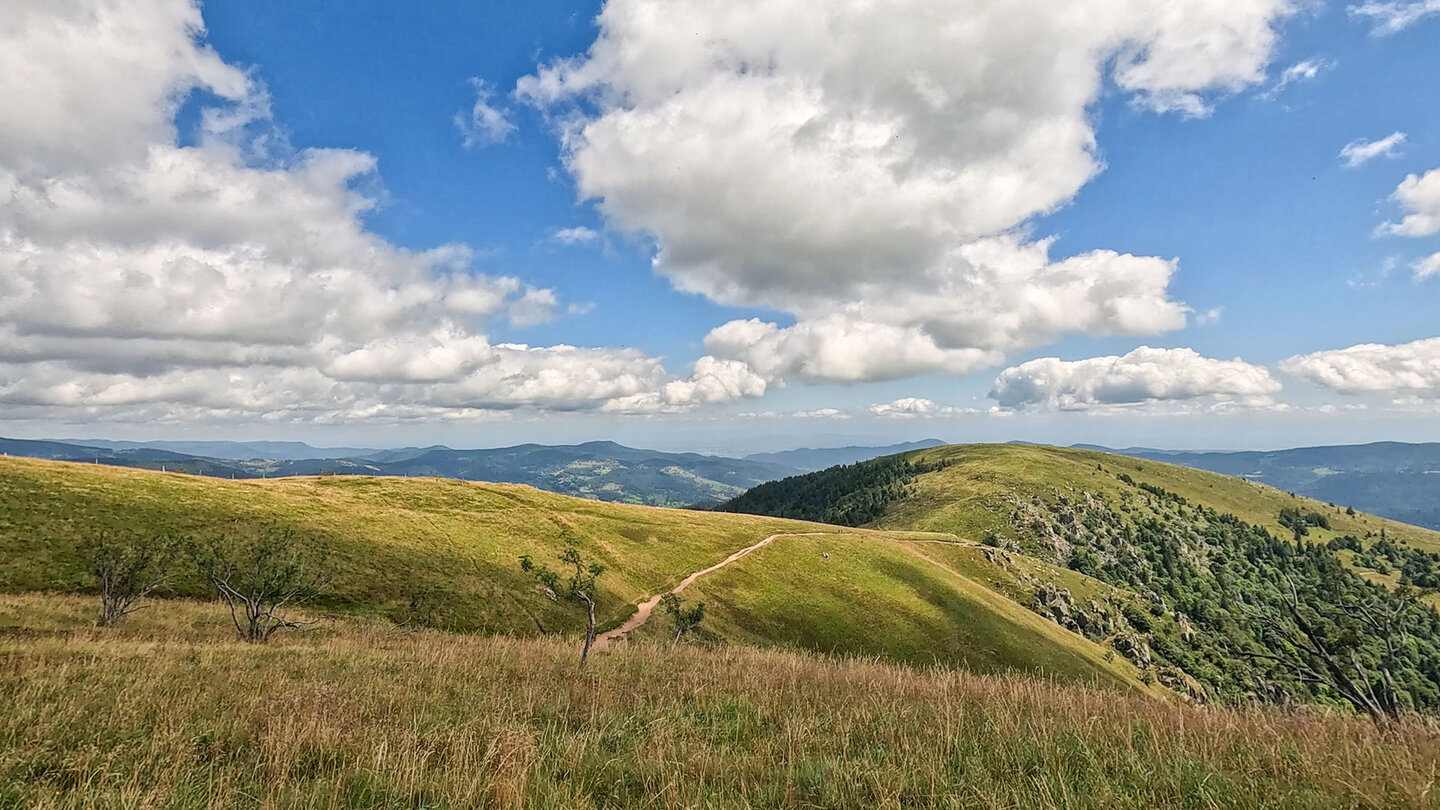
(1205, 567)
(482, 705)
(461, 541)
(968, 496)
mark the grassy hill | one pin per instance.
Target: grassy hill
(920, 600)
(170, 711)
(461, 540)
(1204, 569)
(968, 498)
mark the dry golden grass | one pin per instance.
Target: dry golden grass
(170, 712)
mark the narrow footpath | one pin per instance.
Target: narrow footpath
(644, 609)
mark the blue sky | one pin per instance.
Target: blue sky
(1227, 162)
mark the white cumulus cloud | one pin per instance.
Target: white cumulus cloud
(1361, 151)
(916, 408)
(578, 235)
(1407, 367)
(869, 168)
(234, 278)
(1419, 197)
(1145, 375)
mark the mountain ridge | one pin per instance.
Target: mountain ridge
(1399, 480)
(602, 470)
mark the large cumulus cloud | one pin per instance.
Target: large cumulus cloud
(869, 168)
(143, 276)
(1143, 376)
(1412, 368)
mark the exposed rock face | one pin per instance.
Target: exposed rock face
(1187, 631)
(996, 556)
(1175, 679)
(1133, 646)
(1096, 620)
(1056, 602)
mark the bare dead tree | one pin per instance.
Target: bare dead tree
(1333, 656)
(128, 569)
(261, 578)
(1384, 617)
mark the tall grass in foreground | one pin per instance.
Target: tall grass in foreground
(169, 711)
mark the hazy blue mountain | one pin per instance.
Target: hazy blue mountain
(148, 458)
(601, 470)
(45, 448)
(1391, 479)
(810, 459)
(235, 451)
(400, 453)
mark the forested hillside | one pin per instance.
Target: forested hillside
(852, 495)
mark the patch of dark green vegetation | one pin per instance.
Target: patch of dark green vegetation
(1225, 611)
(1415, 567)
(851, 495)
(1300, 522)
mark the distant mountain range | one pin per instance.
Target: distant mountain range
(1391, 479)
(600, 470)
(810, 459)
(233, 451)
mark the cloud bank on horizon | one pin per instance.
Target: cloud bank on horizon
(866, 179)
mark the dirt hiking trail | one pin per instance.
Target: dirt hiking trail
(644, 609)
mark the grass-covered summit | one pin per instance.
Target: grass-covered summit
(1223, 589)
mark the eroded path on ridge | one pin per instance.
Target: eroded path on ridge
(644, 609)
